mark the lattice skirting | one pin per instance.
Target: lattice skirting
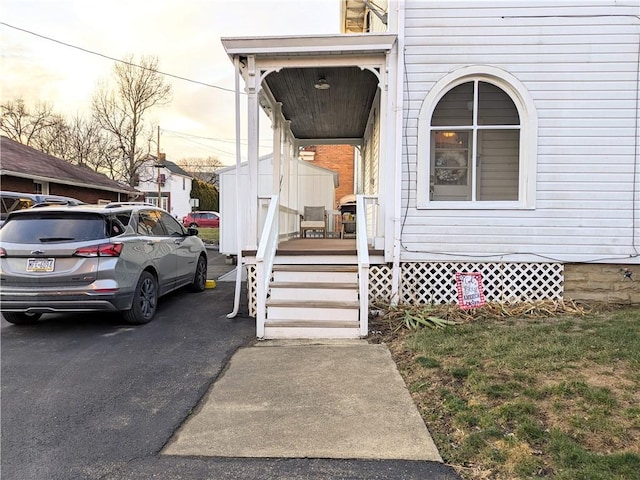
(502, 282)
(435, 282)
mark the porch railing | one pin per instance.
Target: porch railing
(362, 246)
(289, 218)
(264, 262)
(370, 208)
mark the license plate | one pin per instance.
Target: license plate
(40, 264)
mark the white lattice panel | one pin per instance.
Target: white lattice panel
(502, 282)
(380, 283)
(251, 290)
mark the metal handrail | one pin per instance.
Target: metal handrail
(265, 257)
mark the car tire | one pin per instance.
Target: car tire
(200, 277)
(193, 225)
(21, 318)
(145, 301)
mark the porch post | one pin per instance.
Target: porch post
(252, 152)
(286, 172)
(394, 228)
(277, 150)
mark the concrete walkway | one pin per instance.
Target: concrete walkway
(340, 399)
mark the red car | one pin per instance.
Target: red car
(202, 220)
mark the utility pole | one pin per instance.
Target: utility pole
(159, 166)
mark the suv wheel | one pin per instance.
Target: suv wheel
(145, 301)
(200, 277)
(21, 318)
(193, 225)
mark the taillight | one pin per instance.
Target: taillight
(104, 250)
(3, 252)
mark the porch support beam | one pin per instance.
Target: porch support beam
(286, 168)
(358, 142)
(277, 150)
(370, 61)
(253, 132)
(378, 42)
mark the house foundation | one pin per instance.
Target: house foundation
(606, 283)
(434, 282)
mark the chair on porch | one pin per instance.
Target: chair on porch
(314, 218)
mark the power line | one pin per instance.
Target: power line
(116, 59)
(222, 140)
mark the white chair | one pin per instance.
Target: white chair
(315, 219)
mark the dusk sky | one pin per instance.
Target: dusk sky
(183, 34)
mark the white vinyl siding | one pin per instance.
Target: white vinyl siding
(578, 62)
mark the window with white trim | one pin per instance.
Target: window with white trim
(475, 148)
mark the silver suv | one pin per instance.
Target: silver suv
(115, 257)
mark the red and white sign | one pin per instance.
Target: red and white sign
(470, 292)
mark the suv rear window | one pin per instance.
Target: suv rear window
(56, 227)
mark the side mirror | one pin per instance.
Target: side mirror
(192, 231)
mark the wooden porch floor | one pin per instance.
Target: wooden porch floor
(317, 246)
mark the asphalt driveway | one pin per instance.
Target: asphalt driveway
(89, 397)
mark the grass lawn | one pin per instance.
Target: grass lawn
(209, 235)
(553, 395)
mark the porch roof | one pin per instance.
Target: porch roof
(337, 115)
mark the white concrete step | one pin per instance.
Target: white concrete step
(319, 274)
(314, 291)
(313, 301)
(291, 332)
(311, 311)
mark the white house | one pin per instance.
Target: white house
(168, 181)
(499, 138)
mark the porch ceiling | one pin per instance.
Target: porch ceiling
(337, 113)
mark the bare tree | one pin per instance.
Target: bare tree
(204, 169)
(89, 146)
(121, 112)
(53, 139)
(23, 125)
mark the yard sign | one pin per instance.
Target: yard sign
(470, 293)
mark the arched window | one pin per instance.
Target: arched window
(476, 136)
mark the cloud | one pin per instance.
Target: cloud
(183, 34)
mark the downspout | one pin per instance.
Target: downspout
(236, 301)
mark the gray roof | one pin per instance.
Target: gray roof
(172, 167)
(23, 161)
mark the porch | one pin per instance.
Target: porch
(316, 90)
(311, 287)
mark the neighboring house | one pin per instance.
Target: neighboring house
(170, 181)
(499, 138)
(25, 169)
(341, 159)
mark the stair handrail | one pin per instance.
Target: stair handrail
(362, 247)
(264, 262)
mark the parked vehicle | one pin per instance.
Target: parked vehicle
(114, 257)
(10, 201)
(202, 219)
